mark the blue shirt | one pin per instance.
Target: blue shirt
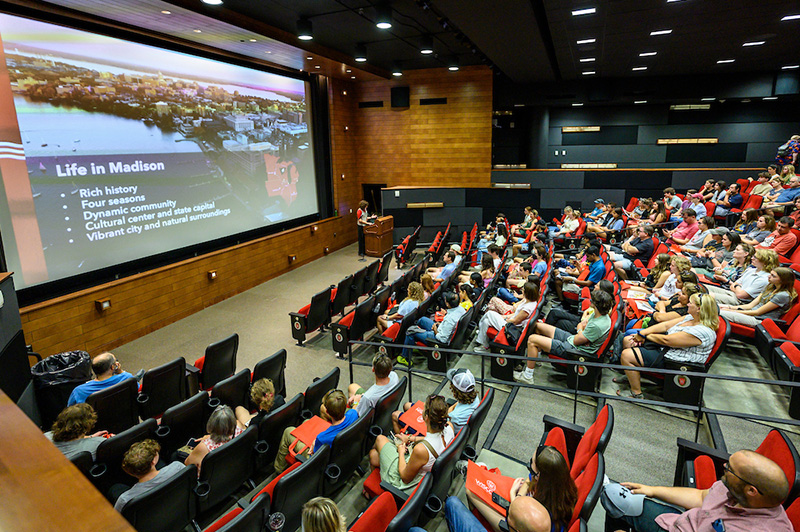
(736, 201)
(596, 272)
(597, 211)
(788, 195)
(449, 323)
(447, 270)
(326, 436)
(539, 268)
(80, 393)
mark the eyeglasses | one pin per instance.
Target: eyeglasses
(532, 474)
(727, 467)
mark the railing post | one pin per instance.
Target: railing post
(575, 396)
(699, 410)
(350, 360)
(483, 375)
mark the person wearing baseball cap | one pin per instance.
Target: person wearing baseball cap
(436, 272)
(599, 209)
(462, 386)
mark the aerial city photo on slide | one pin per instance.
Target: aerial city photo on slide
(111, 150)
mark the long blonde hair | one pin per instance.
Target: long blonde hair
(709, 311)
(767, 257)
(681, 263)
(415, 292)
(321, 514)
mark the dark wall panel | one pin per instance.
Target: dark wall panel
(602, 116)
(583, 198)
(405, 217)
(608, 154)
(608, 135)
(683, 180)
(540, 179)
(738, 113)
(753, 132)
(459, 216)
(762, 153)
(452, 197)
(628, 180)
(706, 153)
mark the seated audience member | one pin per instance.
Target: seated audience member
(773, 302)
(586, 341)
(613, 223)
(437, 272)
(222, 428)
(490, 235)
(525, 514)
(462, 386)
(519, 231)
(720, 193)
(495, 252)
(672, 202)
(431, 330)
(732, 271)
(108, 372)
(685, 230)
(642, 209)
(565, 320)
(333, 410)
(570, 283)
(776, 189)
(465, 296)
(795, 214)
(705, 225)
(70, 432)
(708, 189)
(486, 270)
(747, 221)
(765, 224)
(733, 200)
(669, 288)
(516, 279)
(639, 246)
(408, 305)
(723, 255)
(687, 199)
(787, 173)
(569, 225)
(748, 497)
(549, 483)
(677, 306)
(321, 514)
(405, 471)
(140, 463)
(711, 244)
(518, 315)
(699, 206)
(598, 211)
(772, 170)
(763, 187)
(427, 285)
(385, 379)
(781, 240)
(658, 215)
(661, 267)
(688, 339)
(262, 393)
(449, 267)
(784, 198)
(751, 283)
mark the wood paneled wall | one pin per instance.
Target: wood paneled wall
(424, 145)
(344, 151)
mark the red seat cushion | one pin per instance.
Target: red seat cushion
(791, 351)
(224, 520)
(304, 310)
(199, 363)
(392, 331)
(333, 293)
(372, 486)
(743, 330)
(704, 472)
(584, 484)
(378, 516)
(348, 319)
(773, 331)
(555, 438)
(269, 488)
(774, 447)
(793, 513)
(588, 445)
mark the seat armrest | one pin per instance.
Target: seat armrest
(689, 450)
(551, 422)
(399, 495)
(297, 315)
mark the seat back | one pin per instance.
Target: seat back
(389, 403)
(357, 288)
(226, 468)
(271, 427)
(723, 333)
(181, 422)
(408, 514)
(386, 262)
(233, 391)
(83, 461)
(478, 417)
(252, 519)
(220, 361)
(371, 280)
(116, 407)
(462, 327)
(162, 387)
(363, 318)
(382, 301)
(594, 440)
(589, 485)
(347, 451)
(378, 515)
(170, 506)
(444, 466)
(429, 301)
(273, 368)
(778, 448)
(317, 390)
(107, 469)
(297, 487)
(342, 298)
(320, 310)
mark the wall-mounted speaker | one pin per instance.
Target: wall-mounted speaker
(401, 96)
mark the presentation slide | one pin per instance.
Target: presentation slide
(112, 151)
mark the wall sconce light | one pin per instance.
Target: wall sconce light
(102, 304)
(326, 250)
(212, 274)
(314, 229)
(292, 258)
(342, 177)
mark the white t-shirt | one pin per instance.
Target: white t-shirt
(529, 307)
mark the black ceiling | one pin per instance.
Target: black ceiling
(529, 41)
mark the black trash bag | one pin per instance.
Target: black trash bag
(55, 377)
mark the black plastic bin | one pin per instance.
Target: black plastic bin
(54, 378)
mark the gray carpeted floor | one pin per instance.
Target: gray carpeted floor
(643, 444)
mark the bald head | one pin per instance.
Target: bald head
(104, 364)
(765, 475)
(526, 514)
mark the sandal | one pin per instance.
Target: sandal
(620, 380)
(631, 395)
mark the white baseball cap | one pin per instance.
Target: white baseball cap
(462, 379)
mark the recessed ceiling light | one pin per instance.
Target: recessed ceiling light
(588, 72)
(252, 40)
(198, 31)
(165, 12)
(586, 41)
(770, 98)
(397, 74)
(660, 32)
(309, 57)
(577, 105)
(348, 70)
(754, 43)
(670, 1)
(640, 101)
(453, 68)
(383, 16)
(267, 52)
(638, 69)
(707, 99)
(213, 2)
(647, 54)
(790, 67)
(587, 60)
(724, 61)
(305, 31)
(585, 11)
(519, 105)
(352, 77)
(317, 66)
(790, 17)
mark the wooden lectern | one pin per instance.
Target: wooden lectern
(378, 237)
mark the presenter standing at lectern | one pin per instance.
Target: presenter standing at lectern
(364, 219)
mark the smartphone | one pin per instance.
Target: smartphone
(499, 501)
(192, 443)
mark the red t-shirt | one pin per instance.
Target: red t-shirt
(780, 243)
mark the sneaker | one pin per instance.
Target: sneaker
(403, 362)
(520, 376)
(139, 375)
(481, 349)
(461, 468)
